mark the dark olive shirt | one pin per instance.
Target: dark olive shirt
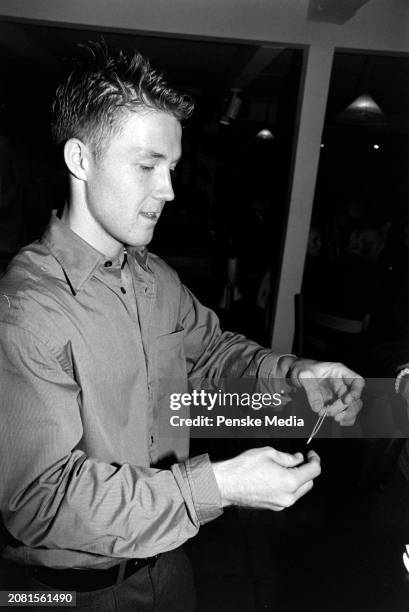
(82, 371)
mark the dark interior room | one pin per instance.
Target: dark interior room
(291, 222)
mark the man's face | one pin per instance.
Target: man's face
(128, 185)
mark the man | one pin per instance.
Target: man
(90, 325)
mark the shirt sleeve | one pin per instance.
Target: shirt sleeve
(212, 353)
(53, 496)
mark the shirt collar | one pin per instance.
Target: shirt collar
(141, 255)
(78, 259)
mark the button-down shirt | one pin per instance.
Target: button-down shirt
(82, 358)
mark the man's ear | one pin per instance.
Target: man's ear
(77, 158)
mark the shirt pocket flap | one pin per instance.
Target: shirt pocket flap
(168, 341)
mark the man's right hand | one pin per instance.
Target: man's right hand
(265, 478)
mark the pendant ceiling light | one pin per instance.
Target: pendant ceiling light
(363, 111)
(265, 134)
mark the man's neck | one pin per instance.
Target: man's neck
(85, 226)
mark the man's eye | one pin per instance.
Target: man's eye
(147, 168)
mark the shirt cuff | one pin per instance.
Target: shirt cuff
(203, 486)
(272, 366)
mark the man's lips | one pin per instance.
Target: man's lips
(153, 216)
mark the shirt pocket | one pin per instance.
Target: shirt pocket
(170, 356)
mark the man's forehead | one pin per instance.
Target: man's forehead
(153, 134)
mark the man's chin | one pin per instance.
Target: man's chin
(140, 241)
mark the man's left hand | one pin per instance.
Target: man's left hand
(329, 385)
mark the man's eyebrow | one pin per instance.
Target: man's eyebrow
(154, 154)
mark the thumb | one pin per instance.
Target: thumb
(288, 460)
(312, 389)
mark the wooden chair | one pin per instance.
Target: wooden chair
(321, 335)
(324, 336)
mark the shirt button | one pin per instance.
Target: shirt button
(123, 290)
(108, 264)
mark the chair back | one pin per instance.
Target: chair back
(322, 335)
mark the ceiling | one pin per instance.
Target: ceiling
(208, 69)
(333, 11)
(32, 58)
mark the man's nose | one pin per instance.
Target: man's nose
(164, 189)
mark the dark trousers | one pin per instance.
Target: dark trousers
(168, 586)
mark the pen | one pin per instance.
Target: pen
(318, 424)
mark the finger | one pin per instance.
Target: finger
(356, 386)
(287, 459)
(349, 413)
(336, 408)
(310, 470)
(276, 508)
(312, 389)
(304, 488)
(349, 416)
(348, 422)
(313, 456)
(346, 396)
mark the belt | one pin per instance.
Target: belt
(91, 579)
